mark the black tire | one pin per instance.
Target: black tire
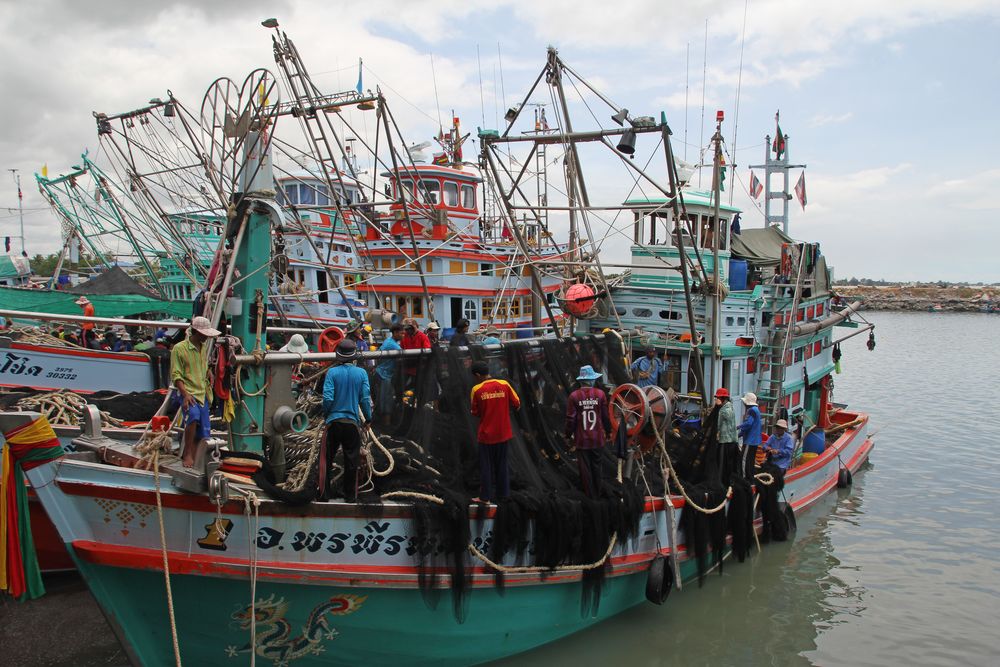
(844, 478)
(659, 580)
(790, 523)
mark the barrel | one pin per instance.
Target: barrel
(737, 275)
(815, 441)
(525, 330)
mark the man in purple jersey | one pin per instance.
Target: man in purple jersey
(588, 427)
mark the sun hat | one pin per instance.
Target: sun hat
(409, 322)
(588, 373)
(781, 423)
(82, 301)
(434, 325)
(204, 327)
(750, 398)
(126, 336)
(296, 345)
(722, 392)
(347, 350)
(492, 331)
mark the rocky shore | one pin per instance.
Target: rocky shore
(944, 299)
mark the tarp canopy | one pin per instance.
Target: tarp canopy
(112, 281)
(58, 302)
(760, 246)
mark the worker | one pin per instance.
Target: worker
(492, 401)
(646, 369)
(728, 445)
(461, 336)
(492, 336)
(413, 339)
(87, 336)
(749, 430)
(385, 373)
(434, 333)
(123, 343)
(588, 427)
(346, 391)
(189, 375)
(296, 345)
(781, 445)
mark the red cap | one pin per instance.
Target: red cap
(722, 392)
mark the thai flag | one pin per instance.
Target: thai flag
(756, 187)
(800, 190)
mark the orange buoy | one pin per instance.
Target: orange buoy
(579, 299)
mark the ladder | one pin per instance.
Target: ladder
(772, 385)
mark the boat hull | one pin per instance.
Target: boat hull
(52, 367)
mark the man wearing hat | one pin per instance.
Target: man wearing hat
(413, 339)
(749, 430)
(646, 369)
(433, 333)
(189, 375)
(729, 449)
(588, 427)
(345, 391)
(781, 445)
(87, 338)
(295, 345)
(492, 336)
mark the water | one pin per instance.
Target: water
(902, 569)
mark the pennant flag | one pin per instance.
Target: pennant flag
(722, 173)
(360, 87)
(800, 190)
(440, 158)
(45, 170)
(756, 187)
(779, 139)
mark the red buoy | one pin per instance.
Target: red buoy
(579, 299)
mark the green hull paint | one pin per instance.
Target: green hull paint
(390, 625)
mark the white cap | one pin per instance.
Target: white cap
(204, 327)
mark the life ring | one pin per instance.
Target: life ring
(660, 412)
(329, 339)
(629, 404)
(659, 580)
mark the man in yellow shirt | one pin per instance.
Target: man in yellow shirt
(189, 374)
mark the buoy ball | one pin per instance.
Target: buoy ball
(579, 299)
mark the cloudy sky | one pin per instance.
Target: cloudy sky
(891, 104)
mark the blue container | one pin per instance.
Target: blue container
(815, 442)
(525, 331)
(737, 275)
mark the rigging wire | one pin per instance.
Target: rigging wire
(739, 84)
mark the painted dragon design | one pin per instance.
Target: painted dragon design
(274, 640)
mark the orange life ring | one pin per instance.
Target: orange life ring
(329, 339)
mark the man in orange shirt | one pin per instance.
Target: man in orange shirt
(492, 401)
(87, 338)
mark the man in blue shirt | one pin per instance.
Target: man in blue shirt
(781, 445)
(345, 391)
(386, 371)
(749, 430)
(646, 370)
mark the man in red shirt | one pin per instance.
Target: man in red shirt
(413, 339)
(588, 427)
(87, 337)
(492, 400)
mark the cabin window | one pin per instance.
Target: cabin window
(292, 193)
(469, 310)
(819, 310)
(723, 236)
(817, 348)
(486, 269)
(799, 354)
(741, 321)
(430, 266)
(307, 195)
(350, 280)
(800, 314)
(751, 365)
(451, 194)
(797, 398)
(620, 310)
(528, 308)
(468, 197)
(455, 267)
(669, 315)
(642, 312)
(431, 191)
(418, 306)
(472, 268)
(672, 378)
(730, 321)
(322, 195)
(408, 188)
(488, 305)
(279, 196)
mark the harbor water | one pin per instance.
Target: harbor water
(904, 568)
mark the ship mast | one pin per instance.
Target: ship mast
(776, 167)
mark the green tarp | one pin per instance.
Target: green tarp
(111, 305)
(760, 246)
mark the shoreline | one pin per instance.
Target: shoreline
(923, 299)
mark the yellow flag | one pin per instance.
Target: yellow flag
(45, 170)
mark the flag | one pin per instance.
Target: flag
(359, 87)
(756, 187)
(45, 170)
(19, 195)
(440, 158)
(779, 140)
(800, 190)
(722, 173)
(6, 243)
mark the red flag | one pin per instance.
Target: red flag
(756, 187)
(800, 190)
(779, 139)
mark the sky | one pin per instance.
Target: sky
(892, 105)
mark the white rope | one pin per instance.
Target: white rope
(673, 473)
(541, 568)
(250, 499)
(166, 561)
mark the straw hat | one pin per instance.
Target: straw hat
(492, 330)
(750, 398)
(204, 327)
(82, 301)
(781, 423)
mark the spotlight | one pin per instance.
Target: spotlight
(627, 143)
(620, 117)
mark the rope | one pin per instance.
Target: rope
(677, 480)
(250, 499)
(413, 495)
(62, 407)
(540, 568)
(166, 561)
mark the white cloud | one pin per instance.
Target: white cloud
(830, 119)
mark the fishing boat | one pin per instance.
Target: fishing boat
(195, 565)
